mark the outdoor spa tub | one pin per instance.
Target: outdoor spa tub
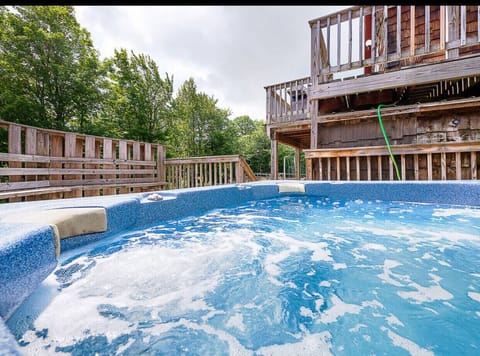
(264, 268)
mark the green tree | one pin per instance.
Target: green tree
(200, 127)
(138, 101)
(50, 75)
(253, 143)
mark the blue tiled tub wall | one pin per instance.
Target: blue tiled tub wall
(27, 250)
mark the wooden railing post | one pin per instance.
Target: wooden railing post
(14, 146)
(238, 172)
(161, 163)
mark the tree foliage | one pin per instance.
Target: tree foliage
(137, 101)
(50, 75)
(200, 128)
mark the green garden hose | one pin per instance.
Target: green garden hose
(386, 140)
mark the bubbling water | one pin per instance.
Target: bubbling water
(286, 276)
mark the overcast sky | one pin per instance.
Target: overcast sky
(232, 52)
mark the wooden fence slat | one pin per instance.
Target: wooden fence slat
(108, 154)
(320, 168)
(90, 153)
(56, 149)
(123, 155)
(369, 167)
(379, 167)
(443, 163)
(347, 167)
(30, 149)
(429, 166)
(458, 165)
(473, 165)
(14, 146)
(416, 171)
(357, 167)
(329, 169)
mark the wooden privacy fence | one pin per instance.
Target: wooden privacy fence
(47, 164)
(443, 161)
(205, 171)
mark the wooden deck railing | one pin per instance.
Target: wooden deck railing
(206, 171)
(364, 40)
(46, 164)
(380, 37)
(442, 161)
(287, 101)
(49, 164)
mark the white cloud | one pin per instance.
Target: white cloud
(232, 52)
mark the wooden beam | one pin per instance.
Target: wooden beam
(291, 141)
(430, 148)
(422, 74)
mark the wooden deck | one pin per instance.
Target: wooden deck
(422, 60)
(49, 164)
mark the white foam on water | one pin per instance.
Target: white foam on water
(372, 246)
(387, 273)
(464, 212)
(306, 312)
(148, 277)
(311, 344)
(356, 328)
(475, 275)
(443, 263)
(478, 313)
(318, 303)
(407, 344)
(372, 304)
(234, 346)
(435, 278)
(474, 295)
(334, 238)
(338, 309)
(292, 245)
(325, 284)
(393, 320)
(415, 236)
(236, 321)
(339, 266)
(425, 294)
(427, 256)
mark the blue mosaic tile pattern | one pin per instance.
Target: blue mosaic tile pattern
(27, 251)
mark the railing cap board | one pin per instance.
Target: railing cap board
(53, 132)
(397, 150)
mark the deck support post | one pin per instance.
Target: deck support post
(297, 163)
(274, 159)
